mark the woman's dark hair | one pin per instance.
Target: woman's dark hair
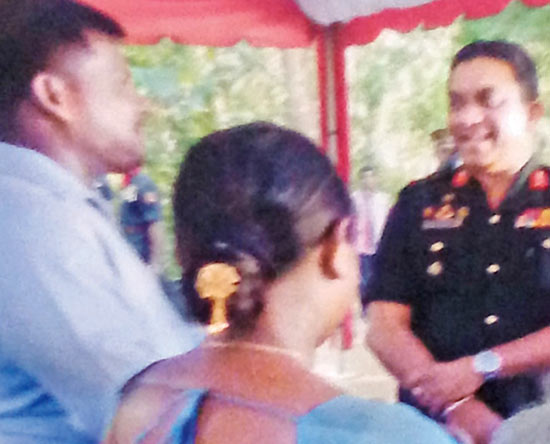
(255, 196)
(511, 53)
(30, 32)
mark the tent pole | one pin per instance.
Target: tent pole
(333, 98)
(341, 104)
(334, 125)
(323, 88)
(327, 93)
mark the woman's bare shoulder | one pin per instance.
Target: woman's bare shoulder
(144, 399)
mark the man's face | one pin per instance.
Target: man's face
(368, 180)
(488, 116)
(107, 113)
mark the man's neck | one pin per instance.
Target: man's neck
(66, 157)
(496, 186)
(497, 179)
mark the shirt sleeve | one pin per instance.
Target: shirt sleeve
(394, 268)
(65, 319)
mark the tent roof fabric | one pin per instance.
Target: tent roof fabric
(285, 23)
(275, 23)
(430, 15)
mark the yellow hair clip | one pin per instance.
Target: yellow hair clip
(217, 282)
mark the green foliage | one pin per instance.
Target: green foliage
(195, 90)
(397, 93)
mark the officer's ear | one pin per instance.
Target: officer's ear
(535, 112)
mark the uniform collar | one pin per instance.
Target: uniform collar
(526, 180)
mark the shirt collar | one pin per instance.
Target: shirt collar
(36, 168)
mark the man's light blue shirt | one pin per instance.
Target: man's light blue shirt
(80, 312)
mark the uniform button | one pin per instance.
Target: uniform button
(546, 243)
(435, 268)
(493, 268)
(494, 219)
(436, 246)
(490, 320)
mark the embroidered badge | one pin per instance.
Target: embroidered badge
(538, 180)
(460, 179)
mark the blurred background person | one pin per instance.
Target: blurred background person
(141, 218)
(263, 226)
(371, 207)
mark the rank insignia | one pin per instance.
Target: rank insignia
(428, 212)
(538, 180)
(460, 178)
(533, 218)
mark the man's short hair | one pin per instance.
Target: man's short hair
(30, 32)
(511, 53)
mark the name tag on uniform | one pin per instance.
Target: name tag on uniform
(533, 218)
(443, 217)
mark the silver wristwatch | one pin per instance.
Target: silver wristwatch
(488, 364)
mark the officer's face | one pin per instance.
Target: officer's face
(488, 116)
(107, 113)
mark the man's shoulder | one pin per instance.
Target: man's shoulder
(143, 181)
(440, 181)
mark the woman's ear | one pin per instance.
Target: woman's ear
(330, 258)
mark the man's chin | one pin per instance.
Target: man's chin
(127, 166)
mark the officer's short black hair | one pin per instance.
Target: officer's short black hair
(511, 53)
(30, 32)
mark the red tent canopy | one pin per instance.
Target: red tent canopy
(278, 23)
(285, 23)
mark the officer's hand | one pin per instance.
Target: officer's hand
(446, 382)
(415, 374)
(473, 422)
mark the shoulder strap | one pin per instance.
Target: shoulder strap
(178, 423)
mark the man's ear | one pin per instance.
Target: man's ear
(331, 248)
(50, 93)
